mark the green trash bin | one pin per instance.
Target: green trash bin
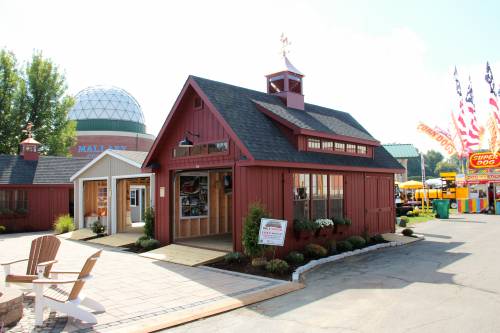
(442, 208)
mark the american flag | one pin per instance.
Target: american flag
(471, 107)
(461, 118)
(494, 124)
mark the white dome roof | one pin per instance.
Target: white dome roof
(102, 102)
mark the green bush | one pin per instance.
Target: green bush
(2, 229)
(338, 220)
(98, 228)
(277, 266)
(377, 239)
(150, 244)
(357, 242)
(149, 222)
(140, 239)
(409, 213)
(234, 257)
(250, 237)
(407, 232)
(344, 246)
(295, 257)
(304, 225)
(63, 224)
(331, 246)
(315, 251)
(404, 221)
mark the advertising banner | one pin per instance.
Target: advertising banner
(272, 232)
(445, 142)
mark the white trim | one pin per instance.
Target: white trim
(115, 133)
(113, 197)
(108, 152)
(81, 197)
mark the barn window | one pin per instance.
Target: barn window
(313, 143)
(180, 152)
(217, 147)
(102, 200)
(199, 150)
(319, 192)
(13, 202)
(301, 196)
(327, 145)
(350, 148)
(336, 196)
(362, 150)
(198, 103)
(339, 146)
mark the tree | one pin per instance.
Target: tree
(37, 93)
(452, 164)
(431, 159)
(10, 121)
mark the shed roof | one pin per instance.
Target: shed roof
(46, 170)
(401, 150)
(265, 141)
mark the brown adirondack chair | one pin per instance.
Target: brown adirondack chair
(42, 257)
(67, 300)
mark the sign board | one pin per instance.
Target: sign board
(272, 232)
(484, 160)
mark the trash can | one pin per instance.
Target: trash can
(442, 208)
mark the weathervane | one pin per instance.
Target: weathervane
(285, 44)
(28, 129)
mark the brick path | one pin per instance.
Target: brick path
(134, 289)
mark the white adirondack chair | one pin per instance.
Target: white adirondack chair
(66, 300)
(39, 263)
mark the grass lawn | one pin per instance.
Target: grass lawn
(421, 218)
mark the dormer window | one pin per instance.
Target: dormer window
(336, 147)
(339, 146)
(350, 148)
(314, 143)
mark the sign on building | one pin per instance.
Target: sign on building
(272, 232)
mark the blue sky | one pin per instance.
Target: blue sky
(389, 63)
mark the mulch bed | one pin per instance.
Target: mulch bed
(134, 248)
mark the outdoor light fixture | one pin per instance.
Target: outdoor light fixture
(186, 143)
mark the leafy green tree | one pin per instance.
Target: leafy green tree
(10, 120)
(36, 93)
(431, 159)
(448, 165)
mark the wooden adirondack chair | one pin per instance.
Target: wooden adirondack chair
(42, 254)
(67, 300)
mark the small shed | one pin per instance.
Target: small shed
(113, 190)
(34, 189)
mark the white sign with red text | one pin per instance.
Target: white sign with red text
(272, 232)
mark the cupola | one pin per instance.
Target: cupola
(287, 81)
(29, 146)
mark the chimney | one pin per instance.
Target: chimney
(29, 147)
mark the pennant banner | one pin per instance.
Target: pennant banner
(445, 141)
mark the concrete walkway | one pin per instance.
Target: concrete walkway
(449, 282)
(141, 294)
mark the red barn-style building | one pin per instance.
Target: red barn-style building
(224, 147)
(35, 189)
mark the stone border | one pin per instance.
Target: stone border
(296, 275)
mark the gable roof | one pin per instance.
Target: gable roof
(265, 141)
(134, 158)
(402, 150)
(46, 170)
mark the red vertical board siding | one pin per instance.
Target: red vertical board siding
(354, 202)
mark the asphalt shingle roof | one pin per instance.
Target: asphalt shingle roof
(265, 141)
(401, 150)
(47, 170)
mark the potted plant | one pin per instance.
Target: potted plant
(303, 228)
(323, 225)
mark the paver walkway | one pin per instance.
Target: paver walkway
(140, 292)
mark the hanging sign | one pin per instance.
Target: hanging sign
(272, 232)
(484, 160)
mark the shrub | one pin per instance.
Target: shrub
(357, 242)
(407, 232)
(2, 229)
(304, 225)
(98, 228)
(234, 257)
(404, 221)
(250, 238)
(259, 262)
(295, 257)
(277, 266)
(149, 222)
(315, 251)
(338, 220)
(140, 239)
(410, 213)
(63, 224)
(331, 246)
(344, 246)
(150, 244)
(377, 239)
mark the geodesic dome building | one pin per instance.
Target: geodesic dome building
(108, 118)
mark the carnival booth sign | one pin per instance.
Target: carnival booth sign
(272, 232)
(484, 160)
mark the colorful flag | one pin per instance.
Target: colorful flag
(494, 121)
(461, 119)
(473, 139)
(445, 142)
